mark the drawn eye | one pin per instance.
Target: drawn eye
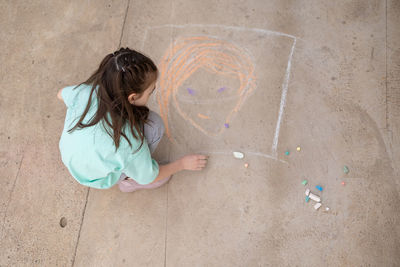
(190, 91)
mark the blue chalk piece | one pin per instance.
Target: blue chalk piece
(226, 125)
(307, 198)
(287, 153)
(319, 188)
(191, 91)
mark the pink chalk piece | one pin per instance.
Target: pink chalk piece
(191, 91)
(226, 125)
(343, 183)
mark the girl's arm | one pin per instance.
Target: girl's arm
(188, 162)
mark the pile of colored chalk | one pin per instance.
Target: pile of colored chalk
(312, 196)
(316, 198)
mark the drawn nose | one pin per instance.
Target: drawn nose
(201, 116)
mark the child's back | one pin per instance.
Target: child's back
(89, 153)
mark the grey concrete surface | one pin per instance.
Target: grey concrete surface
(340, 103)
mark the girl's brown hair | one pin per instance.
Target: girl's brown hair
(120, 74)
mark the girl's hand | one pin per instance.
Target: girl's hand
(195, 162)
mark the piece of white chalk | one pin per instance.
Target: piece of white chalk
(327, 208)
(314, 197)
(238, 155)
(307, 192)
(317, 206)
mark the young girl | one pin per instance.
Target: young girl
(116, 133)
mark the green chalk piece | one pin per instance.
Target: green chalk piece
(304, 182)
(287, 153)
(346, 169)
(307, 198)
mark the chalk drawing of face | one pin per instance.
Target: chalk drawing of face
(216, 75)
(207, 80)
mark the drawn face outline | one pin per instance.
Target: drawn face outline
(186, 55)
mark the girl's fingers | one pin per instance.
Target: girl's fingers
(201, 162)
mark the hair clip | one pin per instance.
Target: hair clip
(116, 63)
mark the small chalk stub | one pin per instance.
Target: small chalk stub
(246, 165)
(319, 188)
(307, 198)
(226, 125)
(314, 197)
(307, 192)
(327, 208)
(343, 183)
(346, 169)
(304, 182)
(287, 152)
(298, 148)
(317, 206)
(238, 155)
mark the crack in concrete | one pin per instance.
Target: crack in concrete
(80, 227)
(123, 24)
(386, 74)
(166, 231)
(11, 193)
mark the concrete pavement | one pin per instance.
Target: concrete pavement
(321, 75)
